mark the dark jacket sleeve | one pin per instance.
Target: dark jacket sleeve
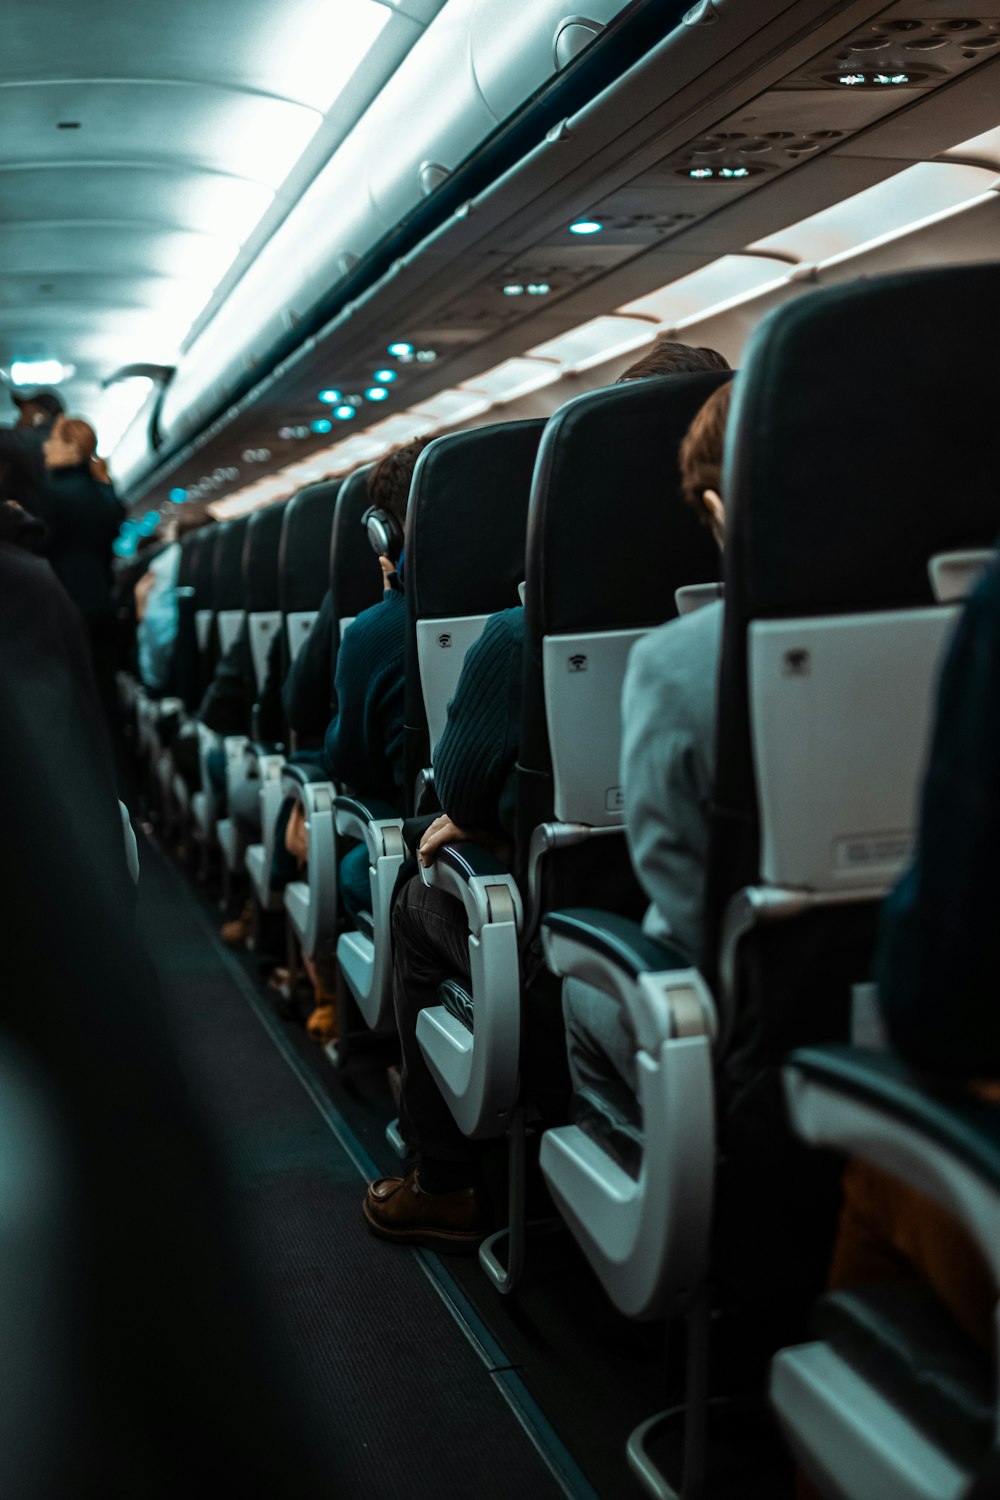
(228, 702)
(475, 759)
(939, 956)
(309, 685)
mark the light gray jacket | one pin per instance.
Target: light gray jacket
(668, 767)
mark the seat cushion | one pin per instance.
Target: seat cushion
(457, 1000)
(900, 1337)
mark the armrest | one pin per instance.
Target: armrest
(375, 823)
(618, 939)
(942, 1142)
(481, 881)
(662, 996)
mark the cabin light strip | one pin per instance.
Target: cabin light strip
(598, 341)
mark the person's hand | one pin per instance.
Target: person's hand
(141, 592)
(441, 831)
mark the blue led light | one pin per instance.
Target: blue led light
(124, 546)
(322, 425)
(377, 393)
(890, 78)
(734, 172)
(178, 496)
(330, 397)
(385, 377)
(343, 413)
(401, 351)
(700, 172)
(586, 226)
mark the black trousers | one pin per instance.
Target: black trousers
(430, 944)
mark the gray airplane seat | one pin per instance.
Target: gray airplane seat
(889, 1394)
(832, 638)
(609, 544)
(303, 561)
(605, 551)
(354, 581)
(260, 669)
(464, 558)
(224, 628)
(300, 580)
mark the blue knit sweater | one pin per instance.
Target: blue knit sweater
(476, 758)
(363, 747)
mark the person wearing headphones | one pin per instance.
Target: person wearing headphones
(363, 745)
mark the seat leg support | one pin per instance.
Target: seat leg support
(694, 1471)
(506, 1277)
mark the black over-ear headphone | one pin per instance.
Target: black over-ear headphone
(384, 532)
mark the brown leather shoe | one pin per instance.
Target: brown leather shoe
(235, 933)
(397, 1208)
(322, 1024)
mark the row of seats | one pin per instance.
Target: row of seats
(850, 538)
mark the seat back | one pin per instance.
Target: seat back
(202, 545)
(355, 576)
(609, 543)
(465, 529)
(302, 558)
(832, 639)
(227, 581)
(260, 585)
(859, 446)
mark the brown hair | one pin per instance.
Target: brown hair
(389, 482)
(76, 430)
(667, 357)
(701, 450)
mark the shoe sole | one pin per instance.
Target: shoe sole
(446, 1241)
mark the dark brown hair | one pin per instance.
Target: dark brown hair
(389, 481)
(701, 450)
(667, 357)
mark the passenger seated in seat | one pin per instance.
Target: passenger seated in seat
(363, 745)
(668, 749)
(938, 970)
(156, 606)
(440, 1202)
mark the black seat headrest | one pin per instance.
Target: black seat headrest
(260, 558)
(303, 567)
(355, 576)
(609, 539)
(201, 546)
(465, 525)
(227, 564)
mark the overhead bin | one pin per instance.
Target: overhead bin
(477, 62)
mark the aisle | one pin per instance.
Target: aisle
(408, 1404)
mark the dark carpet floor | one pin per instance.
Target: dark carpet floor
(409, 1404)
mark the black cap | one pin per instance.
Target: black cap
(47, 400)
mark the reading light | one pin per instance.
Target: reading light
(385, 377)
(700, 172)
(586, 226)
(343, 413)
(734, 171)
(330, 397)
(178, 496)
(322, 425)
(401, 351)
(538, 289)
(513, 290)
(376, 393)
(38, 371)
